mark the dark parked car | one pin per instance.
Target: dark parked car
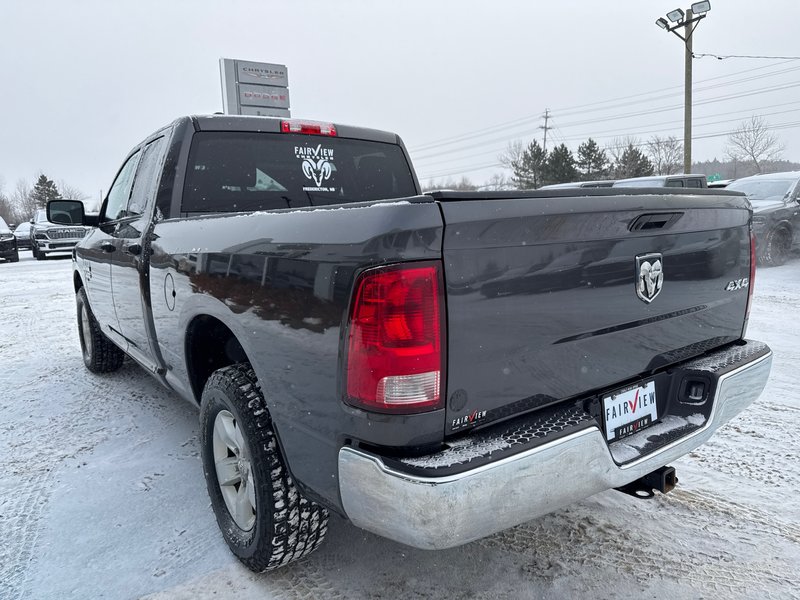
(776, 213)
(8, 243)
(23, 235)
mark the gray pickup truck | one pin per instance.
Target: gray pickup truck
(434, 368)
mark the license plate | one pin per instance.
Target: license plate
(629, 410)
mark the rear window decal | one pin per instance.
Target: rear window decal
(317, 166)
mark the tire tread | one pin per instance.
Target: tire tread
(297, 525)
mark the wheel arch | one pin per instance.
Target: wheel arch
(77, 281)
(209, 345)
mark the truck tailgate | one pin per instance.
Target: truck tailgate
(552, 297)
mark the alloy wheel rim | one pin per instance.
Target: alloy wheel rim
(234, 470)
(86, 333)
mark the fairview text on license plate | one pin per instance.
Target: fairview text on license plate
(628, 410)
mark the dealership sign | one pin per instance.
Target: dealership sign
(252, 88)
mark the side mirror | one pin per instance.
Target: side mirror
(66, 212)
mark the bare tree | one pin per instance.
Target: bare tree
(70, 192)
(463, 184)
(666, 154)
(752, 142)
(23, 201)
(513, 154)
(497, 183)
(6, 207)
(618, 146)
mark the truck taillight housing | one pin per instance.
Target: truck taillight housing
(308, 127)
(751, 284)
(395, 344)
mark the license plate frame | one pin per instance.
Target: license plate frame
(630, 409)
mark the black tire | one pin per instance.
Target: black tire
(284, 525)
(38, 254)
(100, 355)
(14, 258)
(776, 247)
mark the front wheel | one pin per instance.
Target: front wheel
(777, 245)
(100, 355)
(264, 519)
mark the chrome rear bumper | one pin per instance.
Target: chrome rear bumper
(442, 512)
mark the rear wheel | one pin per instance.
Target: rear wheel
(100, 355)
(776, 247)
(15, 258)
(264, 519)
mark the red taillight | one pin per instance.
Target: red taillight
(751, 282)
(308, 127)
(395, 347)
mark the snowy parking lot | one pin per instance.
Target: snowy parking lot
(102, 492)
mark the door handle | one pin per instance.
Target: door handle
(107, 247)
(134, 249)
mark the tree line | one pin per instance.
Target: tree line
(21, 203)
(751, 149)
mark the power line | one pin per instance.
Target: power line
(469, 169)
(726, 56)
(600, 135)
(523, 132)
(569, 111)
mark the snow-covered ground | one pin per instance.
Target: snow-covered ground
(102, 493)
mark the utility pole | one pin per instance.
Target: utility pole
(687, 99)
(545, 127)
(687, 21)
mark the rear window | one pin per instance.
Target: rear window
(240, 171)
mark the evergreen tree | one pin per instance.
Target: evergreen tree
(592, 161)
(44, 190)
(633, 163)
(560, 166)
(529, 167)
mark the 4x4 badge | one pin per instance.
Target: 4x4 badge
(649, 276)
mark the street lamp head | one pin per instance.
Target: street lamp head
(676, 15)
(662, 22)
(701, 8)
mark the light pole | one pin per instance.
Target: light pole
(688, 22)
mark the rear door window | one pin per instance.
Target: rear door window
(240, 171)
(146, 177)
(120, 192)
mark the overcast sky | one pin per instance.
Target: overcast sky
(83, 81)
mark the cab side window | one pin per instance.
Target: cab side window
(694, 183)
(120, 192)
(144, 186)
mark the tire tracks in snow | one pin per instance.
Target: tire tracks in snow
(643, 548)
